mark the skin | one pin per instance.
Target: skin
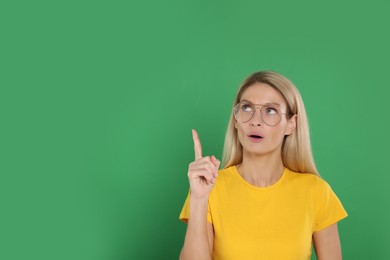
(266, 156)
(202, 174)
(327, 243)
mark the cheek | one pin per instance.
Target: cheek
(237, 125)
(240, 131)
(278, 133)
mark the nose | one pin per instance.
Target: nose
(255, 123)
(256, 120)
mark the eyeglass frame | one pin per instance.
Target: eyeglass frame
(260, 106)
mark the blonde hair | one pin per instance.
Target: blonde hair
(296, 148)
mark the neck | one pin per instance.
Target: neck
(261, 170)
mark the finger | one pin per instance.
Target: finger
(204, 165)
(208, 176)
(206, 162)
(197, 145)
(210, 168)
(215, 161)
(201, 173)
(214, 166)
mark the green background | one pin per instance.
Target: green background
(98, 99)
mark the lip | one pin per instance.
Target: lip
(255, 140)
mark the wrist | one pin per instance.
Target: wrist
(200, 199)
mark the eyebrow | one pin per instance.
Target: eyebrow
(269, 103)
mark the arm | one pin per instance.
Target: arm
(202, 174)
(327, 243)
(198, 243)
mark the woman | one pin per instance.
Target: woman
(268, 201)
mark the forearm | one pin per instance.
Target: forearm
(196, 244)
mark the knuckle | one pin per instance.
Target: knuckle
(212, 166)
(207, 167)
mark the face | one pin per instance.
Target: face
(272, 136)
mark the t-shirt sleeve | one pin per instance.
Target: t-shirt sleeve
(185, 212)
(329, 209)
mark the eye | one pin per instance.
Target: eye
(271, 111)
(246, 108)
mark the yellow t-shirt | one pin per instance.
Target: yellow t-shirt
(274, 222)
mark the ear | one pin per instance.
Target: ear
(291, 125)
(235, 123)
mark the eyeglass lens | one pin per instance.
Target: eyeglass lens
(270, 114)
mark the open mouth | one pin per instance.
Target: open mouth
(256, 136)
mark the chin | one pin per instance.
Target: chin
(258, 151)
(255, 151)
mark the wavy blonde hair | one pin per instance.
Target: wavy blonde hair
(296, 148)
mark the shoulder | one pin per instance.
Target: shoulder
(226, 177)
(227, 172)
(303, 177)
(317, 183)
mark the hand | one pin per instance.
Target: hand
(202, 172)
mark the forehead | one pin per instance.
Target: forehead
(262, 93)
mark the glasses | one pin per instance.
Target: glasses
(270, 113)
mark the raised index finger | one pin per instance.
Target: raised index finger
(197, 145)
